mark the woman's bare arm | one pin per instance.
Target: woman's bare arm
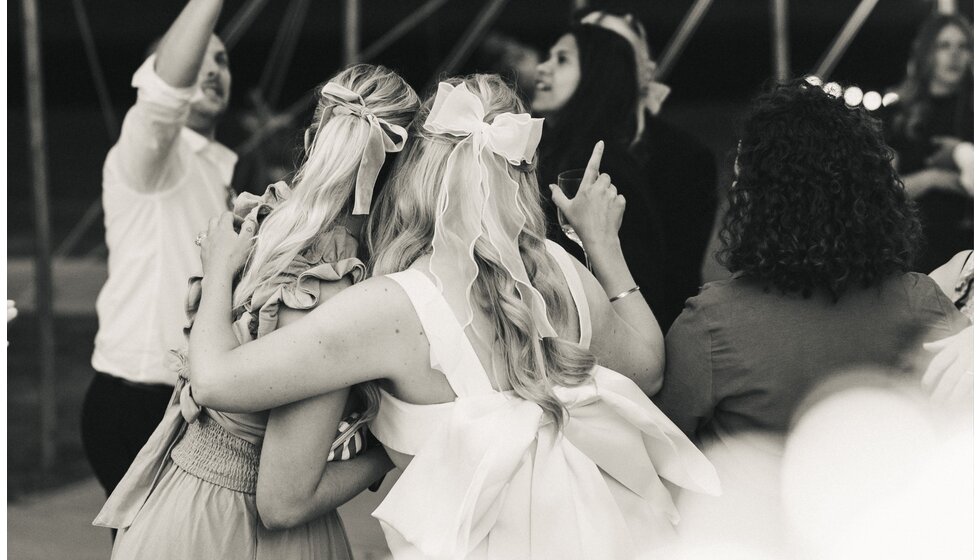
(626, 335)
(296, 482)
(335, 346)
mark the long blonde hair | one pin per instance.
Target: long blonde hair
(401, 230)
(323, 187)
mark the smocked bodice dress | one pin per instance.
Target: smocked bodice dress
(190, 493)
(492, 477)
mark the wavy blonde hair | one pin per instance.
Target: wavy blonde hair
(401, 231)
(323, 187)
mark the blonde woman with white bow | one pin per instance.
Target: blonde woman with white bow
(494, 349)
(266, 484)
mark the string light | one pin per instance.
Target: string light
(872, 100)
(853, 96)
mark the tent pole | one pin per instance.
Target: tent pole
(352, 24)
(843, 40)
(44, 293)
(780, 39)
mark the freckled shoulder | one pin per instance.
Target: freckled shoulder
(384, 303)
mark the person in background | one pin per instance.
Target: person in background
(949, 376)
(514, 61)
(931, 129)
(597, 84)
(820, 236)
(955, 279)
(162, 182)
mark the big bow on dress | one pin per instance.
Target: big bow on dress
(498, 480)
(385, 137)
(479, 197)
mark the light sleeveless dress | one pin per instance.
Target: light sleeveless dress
(190, 493)
(491, 476)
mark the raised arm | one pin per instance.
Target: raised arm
(626, 335)
(296, 483)
(166, 86)
(181, 51)
(334, 346)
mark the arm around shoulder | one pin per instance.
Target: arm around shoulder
(334, 346)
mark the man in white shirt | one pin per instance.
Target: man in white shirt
(162, 182)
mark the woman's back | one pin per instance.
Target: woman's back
(461, 361)
(499, 479)
(741, 357)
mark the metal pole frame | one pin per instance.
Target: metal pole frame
(843, 40)
(242, 20)
(352, 31)
(780, 39)
(680, 38)
(397, 32)
(283, 49)
(44, 294)
(467, 43)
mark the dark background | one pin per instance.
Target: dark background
(728, 58)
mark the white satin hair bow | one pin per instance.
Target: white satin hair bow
(478, 198)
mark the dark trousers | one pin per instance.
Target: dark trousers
(117, 418)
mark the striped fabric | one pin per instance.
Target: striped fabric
(352, 434)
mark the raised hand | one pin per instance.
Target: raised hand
(596, 211)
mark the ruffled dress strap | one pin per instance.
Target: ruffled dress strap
(332, 258)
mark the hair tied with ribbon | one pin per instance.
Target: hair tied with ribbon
(385, 138)
(478, 197)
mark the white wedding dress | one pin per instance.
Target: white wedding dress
(492, 477)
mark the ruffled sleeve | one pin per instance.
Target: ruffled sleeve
(332, 258)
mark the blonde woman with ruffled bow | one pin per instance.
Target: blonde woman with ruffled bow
(514, 384)
(266, 484)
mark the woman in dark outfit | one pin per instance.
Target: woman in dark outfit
(933, 114)
(596, 85)
(820, 236)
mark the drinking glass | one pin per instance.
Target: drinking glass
(568, 182)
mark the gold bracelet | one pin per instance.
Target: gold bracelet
(624, 294)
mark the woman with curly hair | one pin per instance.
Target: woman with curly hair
(820, 236)
(932, 119)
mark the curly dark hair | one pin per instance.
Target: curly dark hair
(816, 203)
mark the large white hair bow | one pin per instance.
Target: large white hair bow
(478, 197)
(385, 137)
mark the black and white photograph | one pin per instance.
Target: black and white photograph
(490, 279)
